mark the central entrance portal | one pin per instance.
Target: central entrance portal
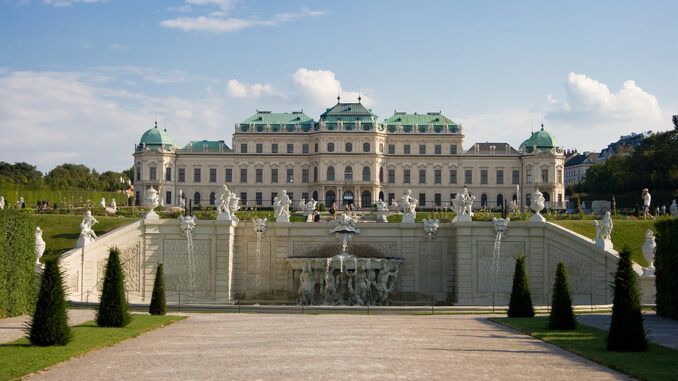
(348, 197)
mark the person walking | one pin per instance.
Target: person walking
(647, 200)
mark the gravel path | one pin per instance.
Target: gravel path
(280, 346)
(13, 328)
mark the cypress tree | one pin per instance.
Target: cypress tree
(562, 316)
(158, 304)
(49, 325)
(521, 300)
(113, 304)
(626, 329)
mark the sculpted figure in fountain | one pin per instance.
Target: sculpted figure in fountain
(430, 227)
(282, 209)
(382, 211)
(2, 203)
(386, 283)
(463, 206)
(537, 205)
(306, 286)
(259, 226)
(604, 232)
(673, 209)
(224, 204)
(39, 249)
(648, 249)
(87, 235)
(409, 205)
(151, 203)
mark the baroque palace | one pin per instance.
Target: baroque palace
(348, 156)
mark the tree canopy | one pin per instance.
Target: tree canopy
(63, 176)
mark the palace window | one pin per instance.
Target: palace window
(260, 148)
(274, 148)
(229, 175)
(545, 175)
(468, 176)
(406, 149)
(528, 174)
(422, 200)
(330, 147)
(349, 147)
(453, 149)
(515, 177)
(304, 175)
(168, 197)
(243, 175)
(366, 174)
(437, 176)
(196, 175)
(330, 173)
(213, 175)
(168, 174)
(152, 174)
(391, 176)
(500, 176)
(406, 176)
(243, 198)
(213, 197)
(290, 175)
(437, 199)
(290, 148)
(422, 176)
(366, 147)
(182, 175)
(391, 149)
(438, 149)
(483, 176)
(259, 198)
(196, 198)
(304, 148)
(274, 175)
(422, 149)
(259, 175)
(348, 173)
(243, 148)
(453, 176)
(138, 174)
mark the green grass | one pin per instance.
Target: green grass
(61, 231)
(625, 232)
(19, 358)
(657, 363)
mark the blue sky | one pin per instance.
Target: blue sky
(81, 80)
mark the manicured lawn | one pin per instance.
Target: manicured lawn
(61, 231)
(657, 363)
(625, 232)
(19, 358)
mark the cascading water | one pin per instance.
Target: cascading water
(187, 224)
(500, 228)
(259, 226)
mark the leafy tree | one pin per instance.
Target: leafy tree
(562, 315)
(521, 300)
(49, 325)
(158, 304)
(626, 329)
(129, 174)
(113, 303)
(110, 181)
(72, 175)
(19, 174)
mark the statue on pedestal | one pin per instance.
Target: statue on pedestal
(409, 205)
(39, 249)
(382, 211)
(102, 203)
(537, 205)
(648, 249)
(281, 205)
(604, 232)
(224, 204)
(87, 235)
(462, 204)
(151, 203)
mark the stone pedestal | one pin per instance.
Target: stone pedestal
(537, 218)
(604, 244)
(84, 241)
(408, 219)
(283, 218)
(462, 218)
(648, 289)
(151, 215)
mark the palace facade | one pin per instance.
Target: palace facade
(349, 156)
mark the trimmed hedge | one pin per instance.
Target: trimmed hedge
(627, 333)
(112, 310)
(49, 325)
(666, 263)
(562, 315)
(521, 299)
(158, 303)
(18, 282)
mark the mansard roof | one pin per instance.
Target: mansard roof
(435, 119)
(267, 117)
(348, 112)
(486, 149)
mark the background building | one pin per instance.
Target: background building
(349, 157)
(577, 165)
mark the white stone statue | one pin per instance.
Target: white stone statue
(2, 203)
(114, 206)
(259, 226)
(224, 204)
(282, 209)
(673, 209)
(430, 227)
(409, 205)
(102, 203)
(151, 202)
(462, 204)
(382, 211)
(87, 235)
(394, 204)
(648, 249)
(187, 224)
(234, 206)
(604, 232)
(501, 225)
(182, 199)
(39, 249)
(20, 202)
(309, 207)
(537, 205)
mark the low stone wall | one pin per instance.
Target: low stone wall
(452, 268)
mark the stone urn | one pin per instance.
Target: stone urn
(648, 249)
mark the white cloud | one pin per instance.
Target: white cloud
(116, 46)
(150, 74)
(321, 87)
(52, 117)
(225, 5)
(237, 89)
(216, 23)
(68, 3)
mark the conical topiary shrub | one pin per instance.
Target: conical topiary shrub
(626, 329)
(521, 300)
(113, 304)
(49, 325)
(562, 316)
(158, 304)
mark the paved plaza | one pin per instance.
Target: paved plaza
(285, 346)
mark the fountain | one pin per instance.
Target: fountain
(345, 279)
(500, 229)
(187, 224)
(259, 226)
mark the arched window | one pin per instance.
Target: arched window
(366, 174)
(483, 201)
(196, 198)
(381, 195)
(330, 173)
(547, 196)
(330, 147)
(213, 196)
(366, 147)
(315, 195)
(316, 147)
(330, 197)
(348, 173)
(500, 201)
(366, 199)
(315, 174)
(348, 197)
(381, 174)
(349, 147)
(381, 148)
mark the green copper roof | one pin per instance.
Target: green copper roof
(410, 121)
(348, 112)
(267, 117)
(541, 139)
(206, 145)
(156, 137)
